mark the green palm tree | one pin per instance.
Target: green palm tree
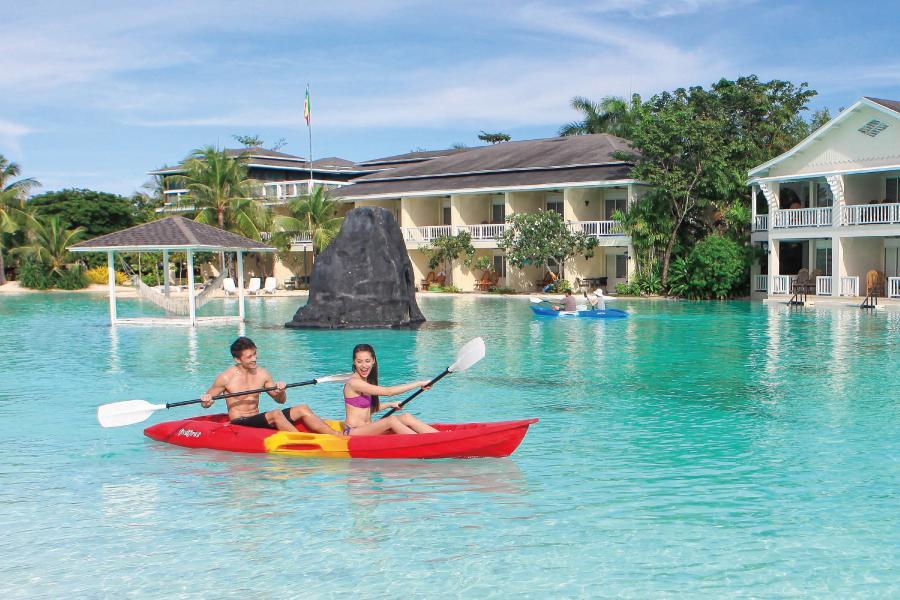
(48, 242)
(314, 214)
(12, 201)
(220, 191)
(611, 115)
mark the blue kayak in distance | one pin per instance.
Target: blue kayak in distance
(609, 313)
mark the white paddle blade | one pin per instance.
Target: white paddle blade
(536, 300)
(128, 412)
(342, 377)
(468, 355)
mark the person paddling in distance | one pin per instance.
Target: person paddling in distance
(244, 410)
(361, 399)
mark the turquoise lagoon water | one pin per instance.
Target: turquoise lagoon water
(711, 450)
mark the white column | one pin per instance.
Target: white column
(111, 279)
(192, 302)
(240, 285)
(752, 208)
(774, 263)
(837, 264)
(166, 272)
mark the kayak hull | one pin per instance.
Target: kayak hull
(609, 313)
(462, 440)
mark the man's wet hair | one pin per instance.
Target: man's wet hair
(241, 344)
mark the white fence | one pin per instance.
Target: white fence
(488, 231)
(849, 286)
(823, 285)
(893, 287)
(302, 238)
(781, 284)
(871, 214)
(597, 228)
(760, 283)
(803, 217)
(426, 234)
(761, 223)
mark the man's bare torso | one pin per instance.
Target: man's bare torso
(236, 380)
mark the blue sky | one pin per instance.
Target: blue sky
(97, 98)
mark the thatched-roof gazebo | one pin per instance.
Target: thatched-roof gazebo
(173, 234)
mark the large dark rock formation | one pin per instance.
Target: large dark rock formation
(363, 279)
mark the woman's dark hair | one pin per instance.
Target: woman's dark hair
(241, 344)
(372, 378)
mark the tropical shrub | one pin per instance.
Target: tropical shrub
(715, 268)
(34, 276)
(73, 278)
(561, 286)
(100, 274)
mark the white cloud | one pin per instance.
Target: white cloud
(10, 134)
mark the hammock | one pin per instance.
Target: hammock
(177, 306)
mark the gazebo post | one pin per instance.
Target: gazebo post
(240, 283)
(191, 300)
(111, 268)
(166, 272)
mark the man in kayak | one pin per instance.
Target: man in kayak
(244, 410)
(568, 303)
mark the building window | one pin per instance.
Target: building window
(445, 215)
(621, 266)
(555, 202)
(500, 264)
(614, 204)
(892, 189)
(498, 212)
(823, 194)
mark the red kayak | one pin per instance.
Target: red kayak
(463, 440)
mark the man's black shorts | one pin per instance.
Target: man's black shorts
(259, 420)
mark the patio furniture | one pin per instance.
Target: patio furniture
(549, 279)
(495, 279)
(484, 283)
(289, 284)
(253, 288)
(269, 286)
(440, 279)
(874, 283)
(803, 284)
(228, 286)
(429, 279)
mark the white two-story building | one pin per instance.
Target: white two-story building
(828, 210)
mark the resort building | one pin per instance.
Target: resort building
(477, 189)
(281, 176)
(827, 212)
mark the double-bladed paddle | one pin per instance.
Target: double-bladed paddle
(128, 412)
(468, 355)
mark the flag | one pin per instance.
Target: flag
(306, 114)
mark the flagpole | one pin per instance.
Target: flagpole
(307, 113)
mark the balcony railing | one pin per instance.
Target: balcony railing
(781, 284)
(823, 285)
(488, 231)
(871, 214)
(761, 223)
(849, 286)
(893, 287)
(597, 228)
(426, 234)
(302, 238)
(803, 217)
(760, 283)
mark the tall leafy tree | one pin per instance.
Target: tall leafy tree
(612, 114)
(315, 214)
(448, 249)
(98, 213)
(13, 193)
(535, 238)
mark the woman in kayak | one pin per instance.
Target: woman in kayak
(361, 399)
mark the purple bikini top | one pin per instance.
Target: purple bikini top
(361, 401)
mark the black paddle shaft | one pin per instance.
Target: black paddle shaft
(244, 393)
(421, 389)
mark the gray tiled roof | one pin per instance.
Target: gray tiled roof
(276, 160)
(409, 157)
(172, 232)
(894, 105)
(548, 161)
